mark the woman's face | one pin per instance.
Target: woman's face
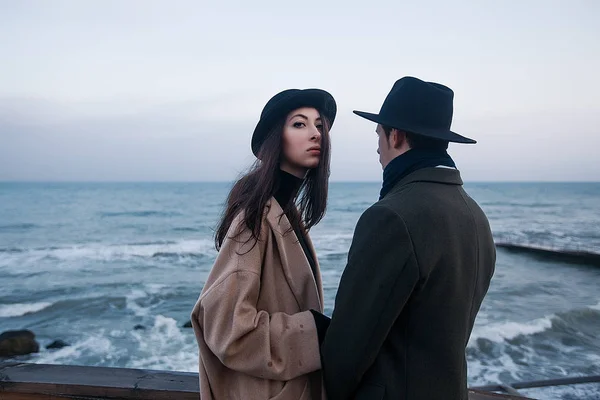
(301, 141)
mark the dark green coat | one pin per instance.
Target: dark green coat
(418, 269)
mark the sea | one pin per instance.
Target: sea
(114, 269)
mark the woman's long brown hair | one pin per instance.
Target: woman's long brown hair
(253, 190)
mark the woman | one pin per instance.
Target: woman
(257, 316)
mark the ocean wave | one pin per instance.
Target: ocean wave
(186, 229)
(511, 352)
(513, 204)
(20, 309)
(168, 255)
(499, 332)
(165, 347)
(334, 256)
(96, 347)
(147, 213)
(536, 245)
(17, 227)
(162, 346)
(140, 300)
(579, 391)
(107, 252)
(11, 250)
(554, 234)
(560, 322)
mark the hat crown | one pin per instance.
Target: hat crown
(274, 102)
(427, 104)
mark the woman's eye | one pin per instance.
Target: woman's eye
(298, 124)
(320, 128)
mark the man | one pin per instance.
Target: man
(419, 265)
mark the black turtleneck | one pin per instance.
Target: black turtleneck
(287, 188)
(286, 193)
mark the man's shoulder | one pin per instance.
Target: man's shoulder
(381, 215)
(402, 198)
(380, 208)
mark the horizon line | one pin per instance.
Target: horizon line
(232, 181)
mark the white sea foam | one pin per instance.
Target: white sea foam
(580, 391)
(20, 309)
(498, 332)
(595, 307)
(97, 346)
(165, 347)
(105, 252)
(155, 288)
(132, 299)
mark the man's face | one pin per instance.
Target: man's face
(384, 149)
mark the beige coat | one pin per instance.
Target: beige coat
(256, 335)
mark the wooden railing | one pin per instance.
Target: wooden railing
(23, 381)
(513, 387)
(20, 381)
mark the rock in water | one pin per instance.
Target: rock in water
(139, 328)
(57, 344)
(188, 324)
(18, 343)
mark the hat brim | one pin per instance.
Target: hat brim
(316, 98)
(441, 134)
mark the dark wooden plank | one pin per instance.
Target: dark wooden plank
(36, 396)
(480, 395)
(100, 382)
(557, 382)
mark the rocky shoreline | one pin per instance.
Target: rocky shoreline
(22, 342)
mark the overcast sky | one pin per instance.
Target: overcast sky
(171, 90)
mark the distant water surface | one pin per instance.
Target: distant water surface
(86, 262)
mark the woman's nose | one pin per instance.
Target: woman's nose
(316, 134)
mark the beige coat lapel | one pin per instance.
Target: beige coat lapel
(318, 270)
(298, 273)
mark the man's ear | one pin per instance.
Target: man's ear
(397, 138)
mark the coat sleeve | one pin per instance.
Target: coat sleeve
(275, 346)
(378, 280)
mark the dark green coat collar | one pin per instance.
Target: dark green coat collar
(448, 176)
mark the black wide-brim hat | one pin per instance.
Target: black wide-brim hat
(418, 107)
(288, 100)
